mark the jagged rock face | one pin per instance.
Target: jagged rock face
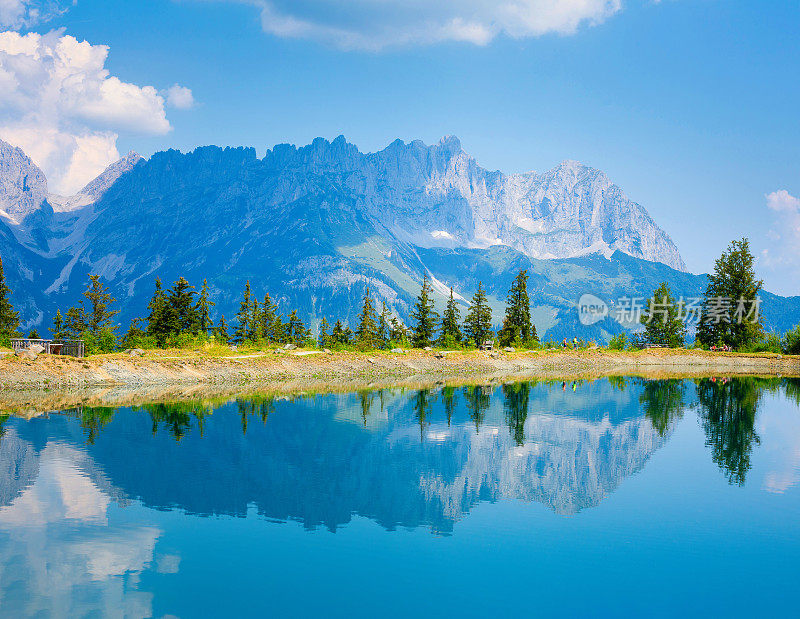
(439, 196)
(98, 187)
(23, 186)
(314, 226)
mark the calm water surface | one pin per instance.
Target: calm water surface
(621, 496)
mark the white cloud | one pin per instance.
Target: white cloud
(28, 13)
(375, 24)
(59, 104)
(179, 97)
(783, 253)
(56, 537)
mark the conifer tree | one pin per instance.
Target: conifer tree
(398, 332)
(478, 323)
(99, 316)
(367, 331)
(268, 312)
(181, 299)
(244, 315)
(451, 332)
(222, 330)
(323, 336)
(384, 330)
(9, 319)
(256, 320)
(34, 335)
(662, 323)
(162, 321)
(730, 313)
(279, 330)
(75, 322)
(156, 301)
(338, 335)
(425, 316)
(296, 330)
(133, 336)
(517, 327)
(203, 309)
(58, 326)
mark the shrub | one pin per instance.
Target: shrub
(103, 342)
(791, 342)
(449, 342)
(769, 342)
(618, 342)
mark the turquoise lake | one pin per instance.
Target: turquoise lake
(622, 497)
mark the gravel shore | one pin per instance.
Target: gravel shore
(120, 378)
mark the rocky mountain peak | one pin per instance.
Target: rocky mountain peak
(23, 186)
(110, 175)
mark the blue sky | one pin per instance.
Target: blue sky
(691, 106)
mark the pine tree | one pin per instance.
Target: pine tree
(384, 330)
(75, 322)
(338, 334)
(323, 336)
(9, 319)
(517, 327)
(58, 326)
(425, 316)
(203, 309)
(398, 331)
(478, 323)
(279, 330)
(661, 319)
(99, 316)
(730, 313)
(162, 321)
(451, 332)
(181, 299)
(268, 312)
(244, 315)
(222, 330)
(296, 330)
(134, 335)
(367, 331)
(256, 320)
(34, 335)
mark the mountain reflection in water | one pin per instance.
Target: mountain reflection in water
(402, 458)
(94, 502)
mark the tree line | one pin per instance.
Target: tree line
(178, 315)
(728, 315)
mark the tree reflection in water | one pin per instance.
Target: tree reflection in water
(663, 402)
(477, 400)
(727, 410)
(422, 410)
(516, 397)
(366, 398)
(449, 397)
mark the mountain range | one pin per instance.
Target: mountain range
(314, 226)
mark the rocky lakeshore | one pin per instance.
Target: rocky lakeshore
(161, 373)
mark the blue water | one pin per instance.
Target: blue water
(615, 497)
